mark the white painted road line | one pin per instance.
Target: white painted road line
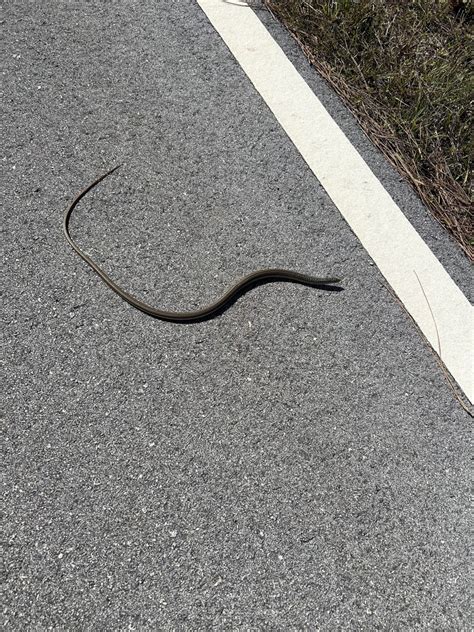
(386, 234)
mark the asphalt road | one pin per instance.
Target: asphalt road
(297, 463)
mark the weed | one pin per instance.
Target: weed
(404, 67)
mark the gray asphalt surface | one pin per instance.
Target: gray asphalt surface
(298, 462)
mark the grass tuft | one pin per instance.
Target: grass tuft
(405, 69)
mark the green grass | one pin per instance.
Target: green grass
(404, 67)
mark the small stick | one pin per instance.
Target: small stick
(441, 363)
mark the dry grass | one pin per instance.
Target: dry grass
(404, 67)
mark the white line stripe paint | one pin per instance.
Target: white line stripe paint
(386, 234)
